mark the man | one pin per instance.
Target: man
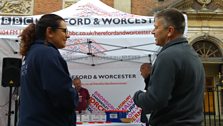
(83, 94)
(176, 86)
(145, 70)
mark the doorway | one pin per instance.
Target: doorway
(209, 96)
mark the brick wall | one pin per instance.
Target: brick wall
(47, 6)
(139, 7)
(108, 2)
(147, 7)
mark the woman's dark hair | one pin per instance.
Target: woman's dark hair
(38, 31)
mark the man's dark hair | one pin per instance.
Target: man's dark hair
(172, 17)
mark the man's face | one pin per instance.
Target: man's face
(160, 32)
(77, 83)
(145, 71)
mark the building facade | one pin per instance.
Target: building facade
(205, 25)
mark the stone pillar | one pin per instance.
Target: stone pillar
(123, 5)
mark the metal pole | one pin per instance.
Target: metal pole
(10, 102)
(219, 110)
(16, 105)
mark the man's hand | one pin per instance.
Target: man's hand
(136, 96)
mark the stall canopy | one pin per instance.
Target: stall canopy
(98, 33)
(101, 34)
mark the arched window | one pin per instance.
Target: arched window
(206, 49)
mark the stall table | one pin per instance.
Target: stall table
(111, 124)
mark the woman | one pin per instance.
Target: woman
(47, 97)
